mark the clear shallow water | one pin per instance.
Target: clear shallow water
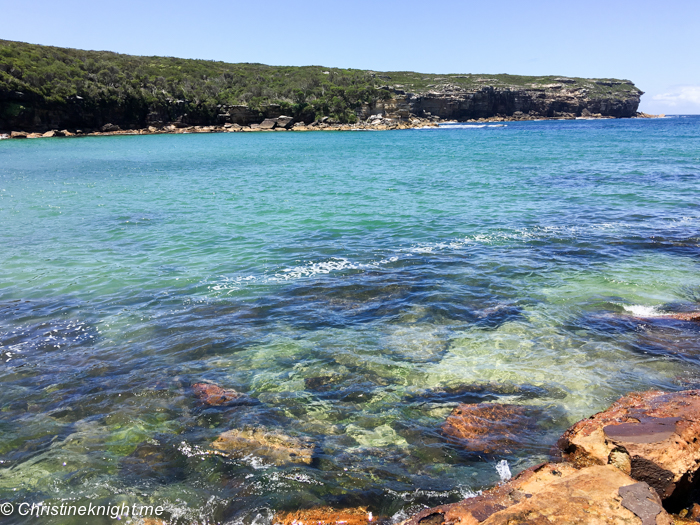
(339, 279)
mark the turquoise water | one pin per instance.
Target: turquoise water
(344, 281)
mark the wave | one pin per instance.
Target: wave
(497, 238)
(640, 310)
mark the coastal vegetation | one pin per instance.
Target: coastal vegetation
(127, 88)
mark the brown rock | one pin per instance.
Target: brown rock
(213, 395)
(271, 445)
(488, 427)
(268, 123)
(556, 494)
(324, 516)
(653, 436)
(18, 135)
(49, 134)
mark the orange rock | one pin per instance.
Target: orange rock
(213, 395)
(554, 494)
(487, 427)
(653, 436)
(325, 516)
(686, 316)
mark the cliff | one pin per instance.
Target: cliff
(44, 88)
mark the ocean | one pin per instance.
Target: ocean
(355, 286)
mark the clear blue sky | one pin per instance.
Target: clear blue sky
(654, 44)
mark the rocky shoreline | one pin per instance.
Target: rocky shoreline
(636, 463)
(285, 123)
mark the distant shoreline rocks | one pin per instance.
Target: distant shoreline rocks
(286, 123)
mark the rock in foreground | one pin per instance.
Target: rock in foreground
(272, 446)
(556, 494)
(653, 436)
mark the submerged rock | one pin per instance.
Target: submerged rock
(153, 459)
(325, 516)
(213, 395)
(685, 316)
(653, 436)
(489, 428)
(555, 494)
(273, 446)
(482, 392)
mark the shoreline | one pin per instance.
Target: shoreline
(374, 123)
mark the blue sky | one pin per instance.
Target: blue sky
(654, 44)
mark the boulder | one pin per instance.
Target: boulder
(49, 134)
(18, 135)
(213, 395)
(285, 122)
(489, 428)
(268, 123)
(325, 516)
(107, 128)
(652, 436)
(273, 446)
(554, 494)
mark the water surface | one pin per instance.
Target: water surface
(344, 280)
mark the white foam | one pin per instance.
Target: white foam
(336, 264)
(640, 310)
(468, 493)
(503, 470)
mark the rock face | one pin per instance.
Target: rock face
(653, 436)
(488, 428)
(273, 446)
(556, 494)
(325, 516)
(454, 103)
(451, 102)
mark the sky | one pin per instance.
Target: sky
(654, 44)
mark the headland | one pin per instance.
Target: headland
(63, 92)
